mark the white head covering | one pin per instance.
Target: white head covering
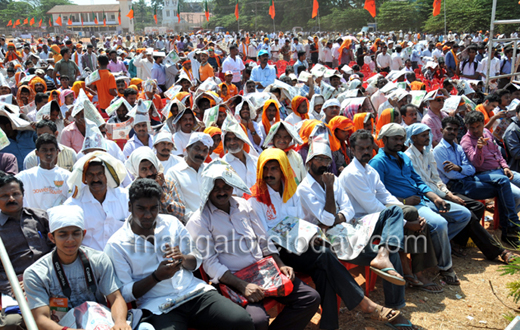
(164, 136)
(330, 103)
(93, 137)
(65, 216)
(231, 125)
(291, 129)
(219, 169)
(319, 142)
(200, 137)
(137, 156)
(3, 82)
(392, 129)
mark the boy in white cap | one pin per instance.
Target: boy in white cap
(71, 273)
(140, 125)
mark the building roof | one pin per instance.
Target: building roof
(68, 9)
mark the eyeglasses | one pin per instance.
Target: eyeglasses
(439, 100)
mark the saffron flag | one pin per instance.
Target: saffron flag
(10, 22)
(119, 16)
(179, 11)
(104, 19)
(206, 11)
(315, 6)
(31, 22)
(81, 15)
(50, 21)
(236, 11)
(95, 18)
(69, 22)
(26, 21)
(16, 23)
(155, 15)
(130, 13)
(370, 6)
(58, 21)
(271, 9)
(40, 23)
(437, 7)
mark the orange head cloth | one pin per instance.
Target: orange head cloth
(37, 80)
(55, 92)
(212, 131)
(359, 121)
(77, 86)
(306, 130)
(55, 49)
(182, 97)
(134, 87)
(345, 45)
(32, 94)
(260, 191)
(295, 104)
(387, 117)
(246, 147)
(265, 121)
(135, 81)
(338, 122)
(18, 76)
(374, 46)
(417, 86)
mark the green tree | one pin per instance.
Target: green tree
(398, 16)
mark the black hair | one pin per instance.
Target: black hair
(450, 120)
(405, 107)
(301, 68)
(300, 54)
(502, 92)
(493, 97)
(64, 77)
(129, 91)
(473, 117)
(40, 97)
(8, 178)
(64, 51)
(31, 70)
(112, 52)
(360, 135)
(46, 139)
(289, 69)
(4, 120)
(398, 49)
(103, 60)
(89, 45)
(47, 123)
(233, 46)
(144, 188)
(356, 67)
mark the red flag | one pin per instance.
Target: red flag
(69, 22)
(95, 18)
(104, 19)
(16, 23)
(119, 16)
(370, 6)
(437, 7)
(58, 21)
(32, 21)
(236, 11)
(10, 22)
(130, 13)
(50, 21)
(271, 9)
(315, 6)
(155, 15)
(26, 21)
(206, 11)
(40, 23)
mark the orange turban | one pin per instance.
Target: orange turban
(55, 91)
(265, 121)
(359, 120)
(306, 130)
(19, 93)
(212, 131)
(342, 123)
(295, 104)
(37, 80)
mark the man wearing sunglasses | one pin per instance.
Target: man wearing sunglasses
(433, 118)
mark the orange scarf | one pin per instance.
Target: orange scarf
(295, 104)
(455, 58)
(387, 117)
(219, 150)
(359, 121)
(306, 130)
(343, 123)
(374, 46)
(265, 120)
(483, 110)
(345, 45)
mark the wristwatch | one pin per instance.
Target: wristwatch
(253, 133)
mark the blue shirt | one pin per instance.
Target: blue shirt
(416, 56)
(298, 64)
(505, 65)
(400, 181)
(21, 146)
(265, 76)
(450, 61)
(304, 90)
(159, 73)
(455, 154)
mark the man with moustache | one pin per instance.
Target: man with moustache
(184, 123)
(143, 163)
(163, 145)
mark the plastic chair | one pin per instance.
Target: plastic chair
(496, 216)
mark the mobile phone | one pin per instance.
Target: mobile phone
(446, 208)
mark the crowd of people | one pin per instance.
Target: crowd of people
(135, 167)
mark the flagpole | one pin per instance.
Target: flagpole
(319, 26)
(445, 17)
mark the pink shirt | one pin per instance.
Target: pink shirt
(434, 122)
(72, 137)
(485, 159)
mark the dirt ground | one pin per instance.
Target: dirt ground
(470, 306)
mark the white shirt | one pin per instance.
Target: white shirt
(234, 65)
(495, 67)
(180, 139)
(247, 172)
(425, 165)
(296, 48)
(397, 61)
(271, 218)
(102, 220)
(326, 54)
(44, 188)
(145, 66)
(171, 162)
(469, 69)
(135, 258)
(312, 198)
(189, 182)
(259, 132)
(364, 187)
(335, 50)
(134, 143)
(437, 53)
(293, 119)
(383, 60)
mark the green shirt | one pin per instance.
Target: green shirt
(67, 68)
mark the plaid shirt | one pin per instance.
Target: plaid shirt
(171, 202)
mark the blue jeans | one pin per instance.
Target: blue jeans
(443, 227)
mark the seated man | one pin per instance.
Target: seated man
(66, 156)
(270, 116)
(408, 114)
(95, 185)
(91, 273)
(186, 174)
(222, 214)
(141, 136)
(161, 278)
(121, 113)
(47, 183)
(163, 145)
(142, 163)
(24, 233)
(512, 141)
(459, 176)
(21, 142)
(325, 203)
(184, 124)
(397, 174)
(300, 109)
(247, 115)
(423, 161)
(73, 134)
(274, 198)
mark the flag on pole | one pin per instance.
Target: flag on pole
(81, 15)
(31, 22)
(50, 21)
(206, 11)
(58, 21)
(155, 15)
(10, 22)
(69, 22)
(131, 13)
(315, 6)
(26, 21)
(16, 23)
(95, 18)
(437, 7)
(119, 16)
(271, 9)
(104, 19)
(40, 23)
(370, 6)
(179, 11)
(236, 11)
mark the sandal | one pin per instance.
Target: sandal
(412, 281)
(401, 325)
(382, 314)
(383, 273)
(430, 285)
(507, 257)
(450, 277)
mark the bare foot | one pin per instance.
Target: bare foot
(382, 261)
